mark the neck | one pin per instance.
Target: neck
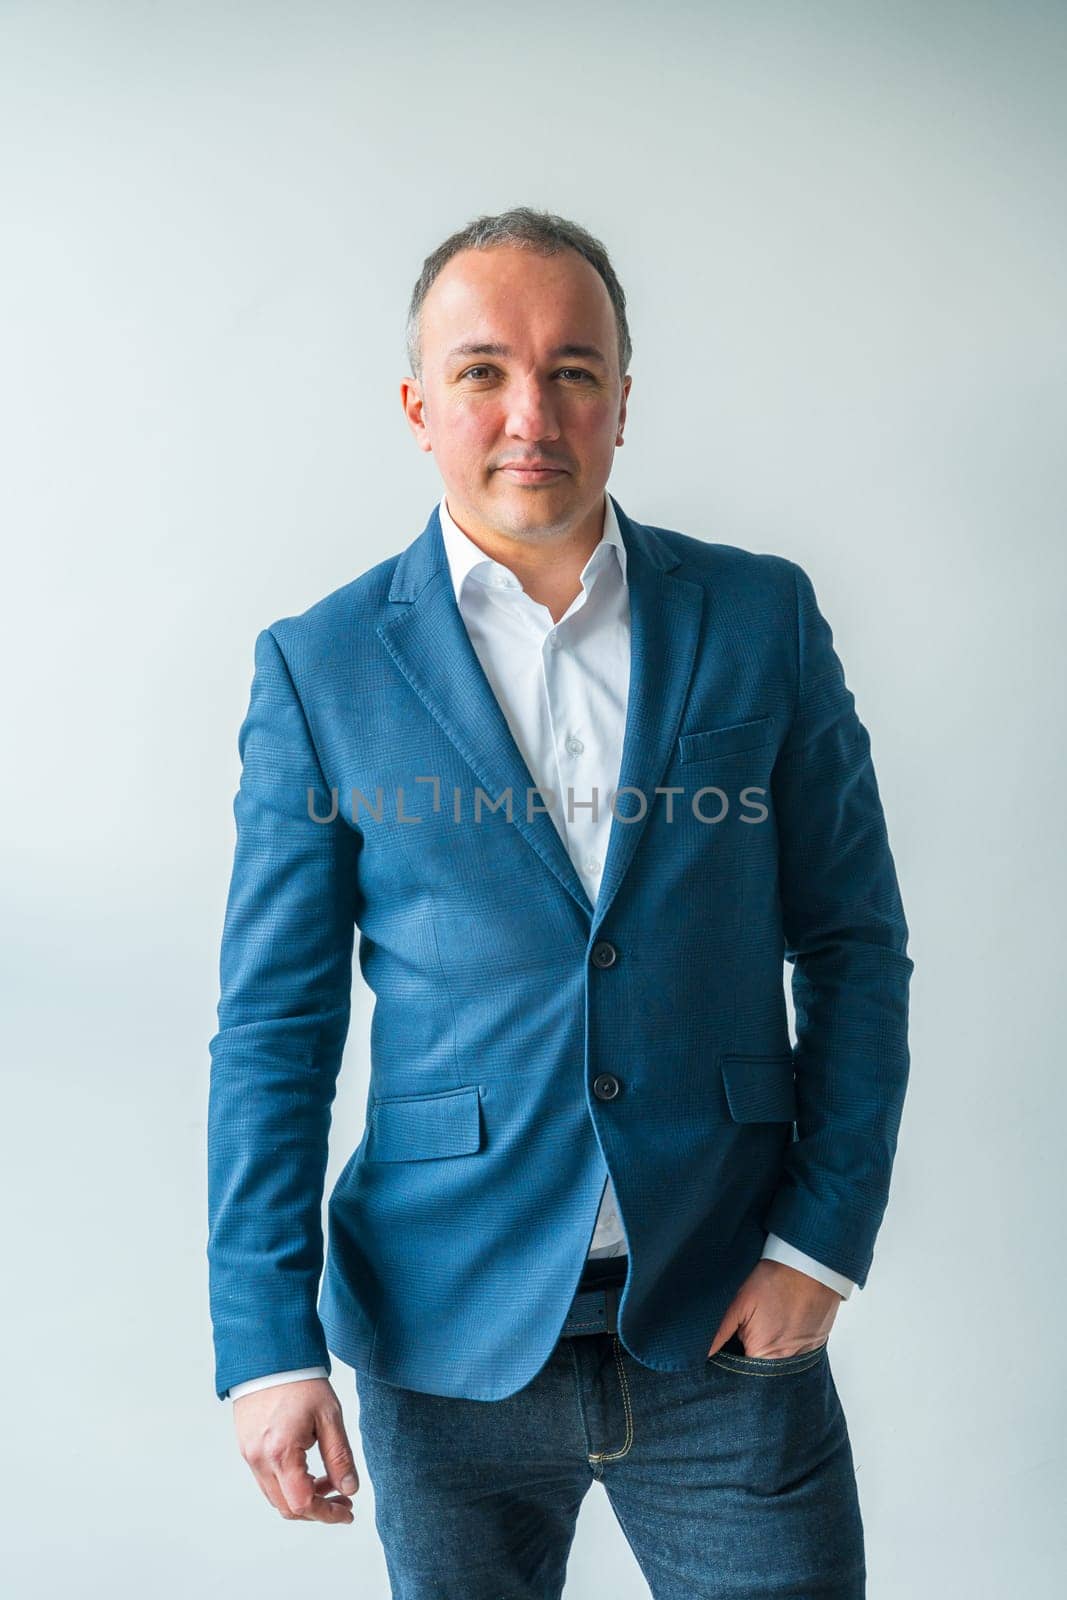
(549, 569)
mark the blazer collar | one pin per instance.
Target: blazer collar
(426, 637)
(426, 554)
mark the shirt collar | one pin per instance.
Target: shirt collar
(466, 558)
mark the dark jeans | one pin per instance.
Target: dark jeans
(735, 1480)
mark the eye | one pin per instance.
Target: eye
(574, 372)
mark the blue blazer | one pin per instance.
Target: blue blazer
(524, 1043)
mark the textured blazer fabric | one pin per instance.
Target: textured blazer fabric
(459, 1226)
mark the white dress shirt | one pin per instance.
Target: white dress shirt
(563, 688)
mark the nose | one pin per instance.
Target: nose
(531, 411)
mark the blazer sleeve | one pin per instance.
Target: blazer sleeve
(285, 975)
(846, 938)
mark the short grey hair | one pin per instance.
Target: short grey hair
(542, 231)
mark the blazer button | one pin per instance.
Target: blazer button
(606, 1086)
(604, 954)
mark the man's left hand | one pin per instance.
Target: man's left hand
(778, 1312)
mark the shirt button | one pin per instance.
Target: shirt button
(553, 641)
(604, 954)
(574, 745)
(606, 1086)
(592, 866)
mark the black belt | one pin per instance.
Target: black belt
(594, 1308)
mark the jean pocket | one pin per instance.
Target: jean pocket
(734, 1360)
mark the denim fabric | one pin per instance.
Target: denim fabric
(735, 1480)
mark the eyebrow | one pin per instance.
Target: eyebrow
(587, 351)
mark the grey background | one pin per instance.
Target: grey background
(841, 230)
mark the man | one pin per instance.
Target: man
(581, 783)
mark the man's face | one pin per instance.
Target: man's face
(548, 393)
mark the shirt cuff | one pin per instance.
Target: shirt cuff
(776, 1249)
(272, 1378)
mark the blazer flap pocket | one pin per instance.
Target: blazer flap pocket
(726, 741)
(419, 1127)
(760, 1088)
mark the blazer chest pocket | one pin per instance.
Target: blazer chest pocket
(728, 741)
(760, 1088)
(422, 1127)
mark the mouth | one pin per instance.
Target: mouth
(533, 474)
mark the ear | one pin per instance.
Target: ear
(412, 401)
(626, 382)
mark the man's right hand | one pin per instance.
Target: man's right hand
(276, 1427)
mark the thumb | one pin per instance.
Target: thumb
(336, 1453)
(730, 1323)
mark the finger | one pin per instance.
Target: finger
(264, 1470)
(335, 1450)
(334, 1508)
(314, 1512)
(294, 1480)
(727, 1327)
(323, 1486)
(319, 1508)
(323, 1491)
(272, 1493)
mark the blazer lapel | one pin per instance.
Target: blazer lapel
(665, 619)
(429, 642)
